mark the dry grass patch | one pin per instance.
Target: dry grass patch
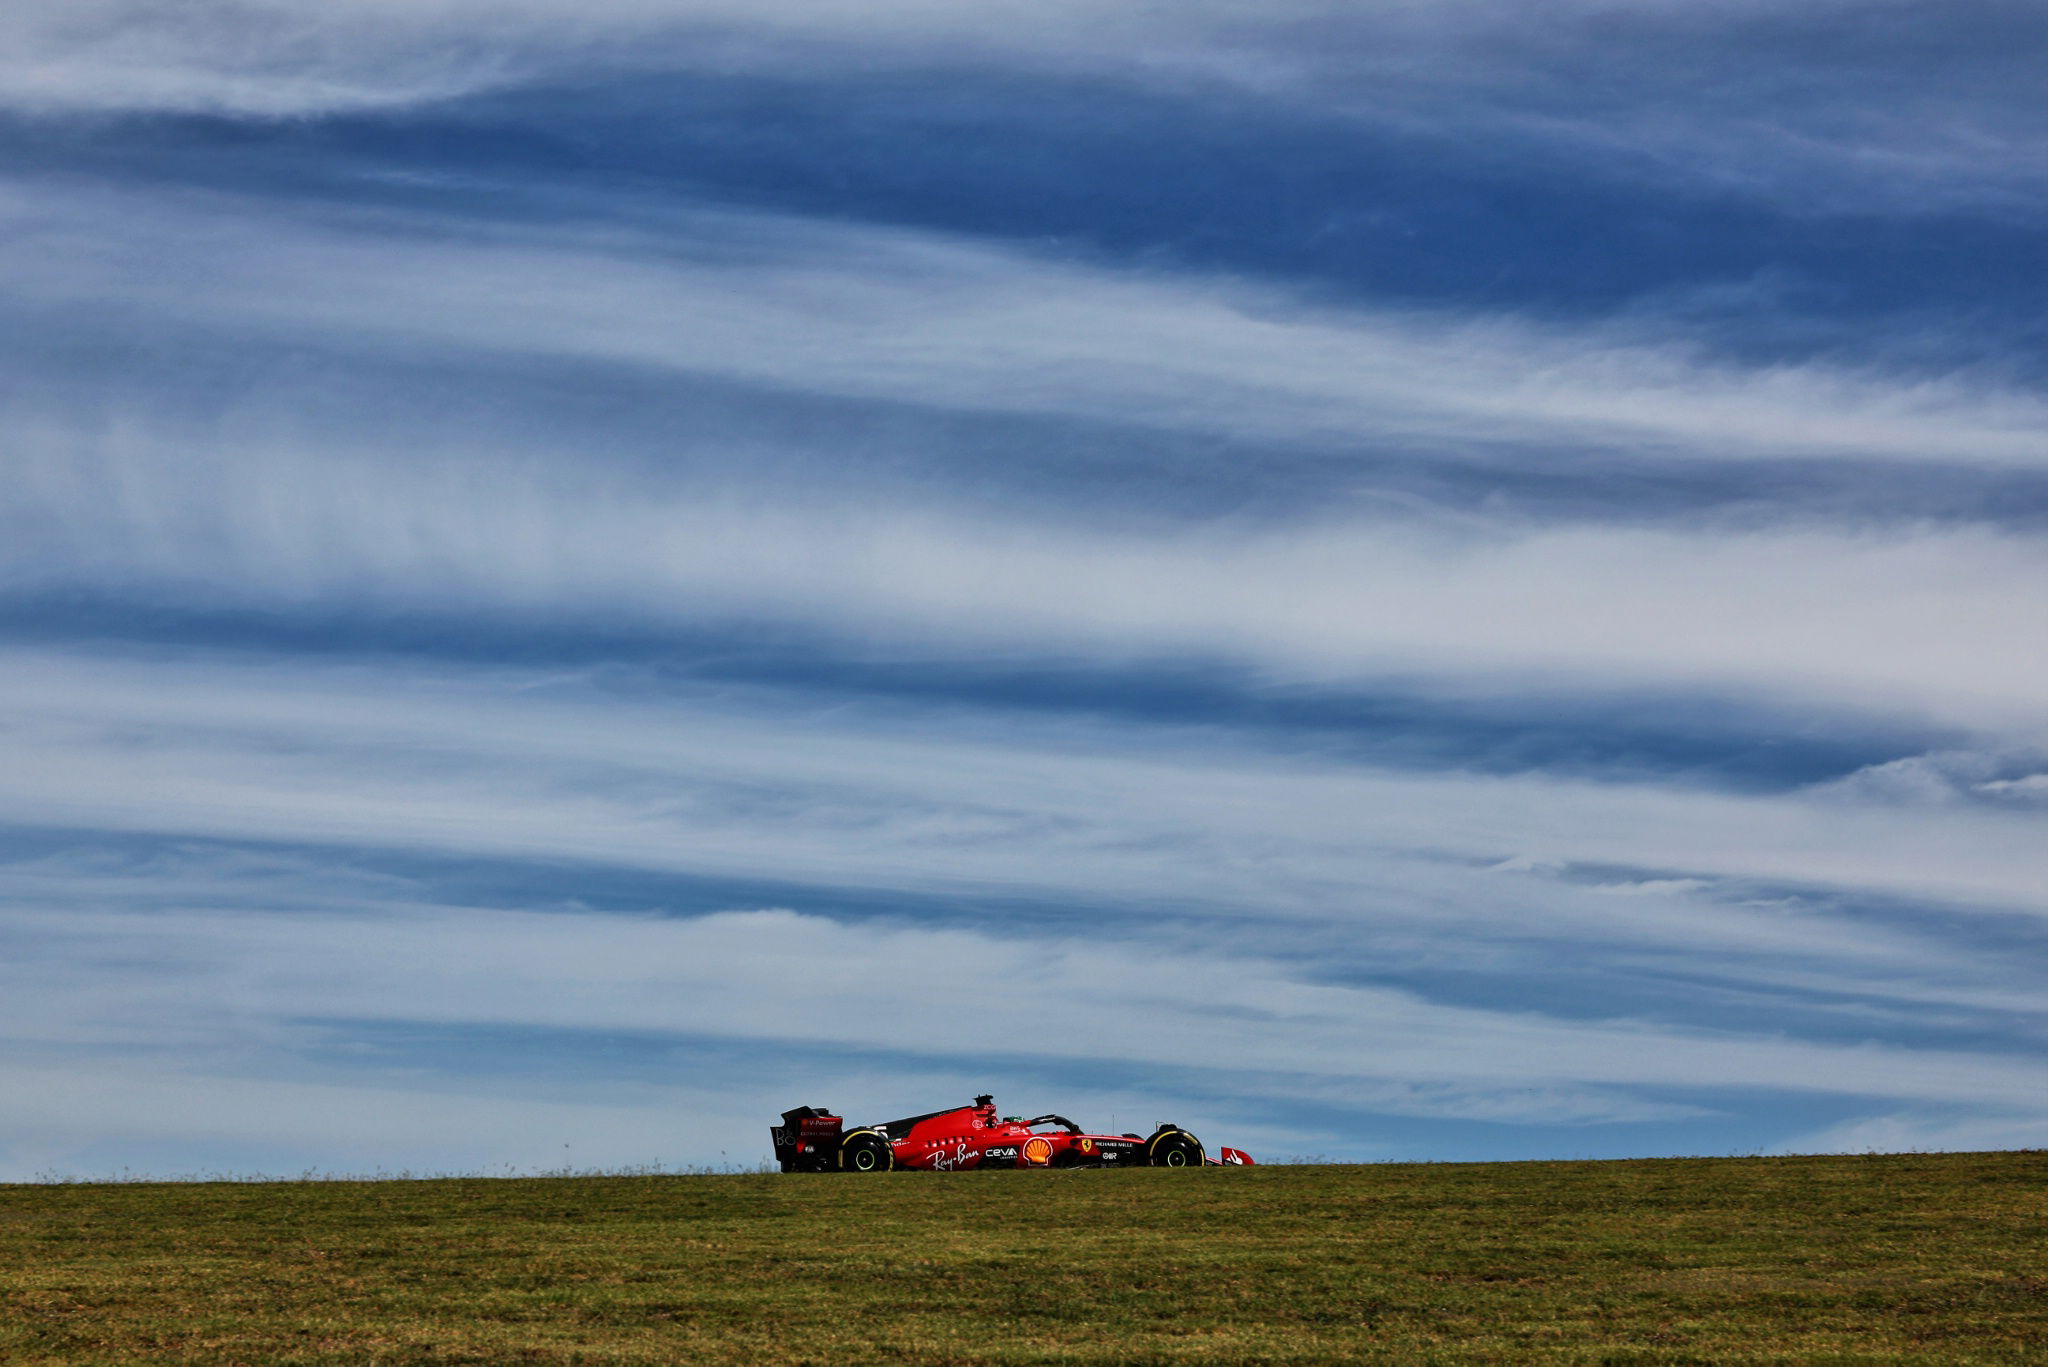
(1912, 1259)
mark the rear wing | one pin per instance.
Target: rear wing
(807, 1140)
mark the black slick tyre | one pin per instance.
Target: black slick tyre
(1173, 1149)
(866, 1151)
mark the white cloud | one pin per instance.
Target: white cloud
(1922, 780)
(1652, 887)
(1921, 1132)
(1844, 102)
(507, 765)
(208, 968)
(251, 510)
(228, 970)
(1942, 623)
(946, 995)
(276, 57)
(918, 318)
(2027, 788)
(1945, 778)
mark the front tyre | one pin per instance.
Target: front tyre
(866, 1151)
(1173, 1149)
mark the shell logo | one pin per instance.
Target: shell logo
(1038, 1151)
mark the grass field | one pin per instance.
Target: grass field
(1927, 1258)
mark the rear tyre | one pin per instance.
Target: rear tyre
(1173, 1149)
(866, 1151)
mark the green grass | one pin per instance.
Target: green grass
(1924, 1258)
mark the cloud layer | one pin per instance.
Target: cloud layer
(926, 320)
(1733, 97)
(552, 557)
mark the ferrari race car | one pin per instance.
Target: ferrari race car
(810, 1139)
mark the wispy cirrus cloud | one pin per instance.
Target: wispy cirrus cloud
(1537, 632)
(152, 505)
(927, 319)
(1847, 103)
(137, 499)
(1928, 1131)
(512, 764)
(239, 982)
(1805, 613)
(791, 978)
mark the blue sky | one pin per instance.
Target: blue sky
(1413, 580)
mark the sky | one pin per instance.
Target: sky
(1388, 580)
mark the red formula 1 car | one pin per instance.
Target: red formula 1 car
(810, 1139)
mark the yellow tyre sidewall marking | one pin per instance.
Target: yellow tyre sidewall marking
(1151, 1149)
(888, 1150)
